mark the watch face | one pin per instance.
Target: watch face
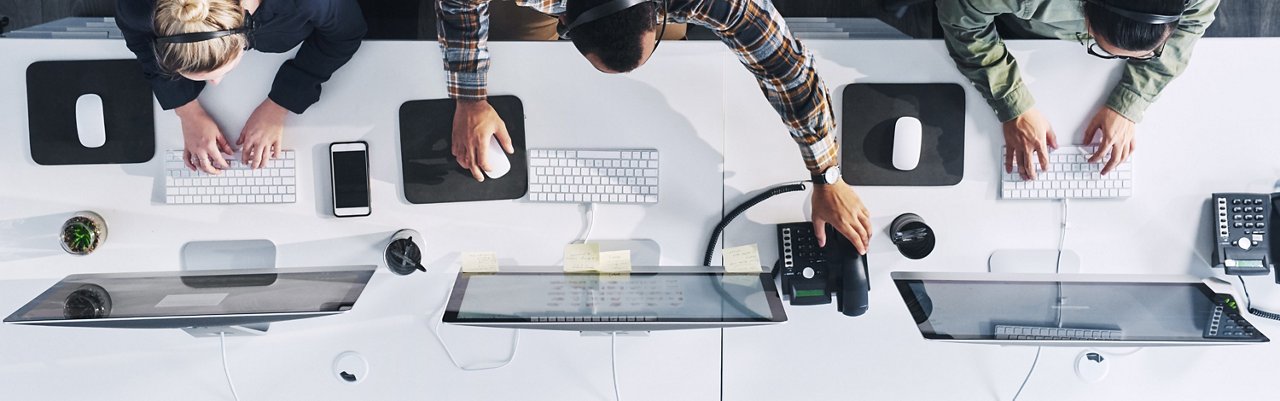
(831, 175)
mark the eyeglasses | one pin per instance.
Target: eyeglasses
(1097, 51)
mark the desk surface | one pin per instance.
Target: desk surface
(1193, 142)
(724, 120)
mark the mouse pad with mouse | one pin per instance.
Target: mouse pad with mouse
(870, 112)
(53, 87)
(430, 172)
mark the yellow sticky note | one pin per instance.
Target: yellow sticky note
(581, 257)
(479, 262)
(615, 261)
(742, 259)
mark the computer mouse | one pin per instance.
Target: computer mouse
(90, 123)
(906, 143)
(497, 160)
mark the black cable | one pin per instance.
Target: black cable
(1248, 303)
(715, 234)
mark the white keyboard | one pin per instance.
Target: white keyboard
(275, 183)
(593, 175)
(1006, 332)
(1070, 175)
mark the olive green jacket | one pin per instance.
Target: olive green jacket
(981, 55)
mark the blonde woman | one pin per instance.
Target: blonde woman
(182, 44)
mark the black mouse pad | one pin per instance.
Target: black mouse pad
(432, 175)
(870, 113)
(53, 87)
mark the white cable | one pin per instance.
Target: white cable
(1029, 372)
(613, 363)
(435, 332)
(222, 343)
(591, 221)
(1057, 268)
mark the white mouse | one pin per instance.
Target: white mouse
(906, 143)
(499, 165)
(90, 124)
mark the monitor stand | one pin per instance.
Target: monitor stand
(1041, 261)
(231, 254)
(229, 331)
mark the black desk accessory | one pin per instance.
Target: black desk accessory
(1240, 240)
(52, 90)
(912, 236)
(867, 129)
(810, 274)
(431, 174)
(402, 255)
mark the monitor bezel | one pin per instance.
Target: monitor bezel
(195, 320)
(902, 281)
(776, 309)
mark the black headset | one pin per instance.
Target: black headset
(193, 37)
(1143, 17)
(600, 11)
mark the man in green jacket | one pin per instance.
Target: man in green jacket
(1154, 36)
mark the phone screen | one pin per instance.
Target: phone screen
(350, 179)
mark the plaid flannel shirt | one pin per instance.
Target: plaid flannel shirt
(753, 29)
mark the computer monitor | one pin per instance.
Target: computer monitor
(1072, 309)
(649, 298)
(204, 299)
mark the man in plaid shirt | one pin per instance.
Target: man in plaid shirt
(621, 41)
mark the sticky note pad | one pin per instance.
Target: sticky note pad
(742, 259)
(581, 257)
(479, 262)
(615, 261)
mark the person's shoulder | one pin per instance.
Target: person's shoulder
(315, 8)
(135, 12)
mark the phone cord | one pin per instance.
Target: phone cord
(728, 218)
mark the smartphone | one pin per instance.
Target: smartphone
(349, 169)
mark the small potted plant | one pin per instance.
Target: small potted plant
(83, 233)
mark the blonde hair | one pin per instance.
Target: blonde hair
(174, 17)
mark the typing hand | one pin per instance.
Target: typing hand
(1115, 133)
(1025, 135)
(203, 143)
(473, 122)
(260, 140)
(838, 205)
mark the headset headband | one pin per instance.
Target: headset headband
(193, 37)
(602, 11)
(1146, 18)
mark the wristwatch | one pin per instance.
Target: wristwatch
(829, 176)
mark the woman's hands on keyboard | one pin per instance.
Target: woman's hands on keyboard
(262, 135)
(203, 143)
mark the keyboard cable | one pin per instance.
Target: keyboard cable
(1057, 267)
(226, 371)
(613, 363)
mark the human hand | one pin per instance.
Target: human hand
(473, 122)
(262, 135)
(1027, 134)
(1116, 136)
(203, 143)
(838, 205)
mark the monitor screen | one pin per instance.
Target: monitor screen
(640, 297)
(100, 299)
(1134, 311)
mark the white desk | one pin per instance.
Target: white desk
(389, 324)
(1193, 143)
(699, 108)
